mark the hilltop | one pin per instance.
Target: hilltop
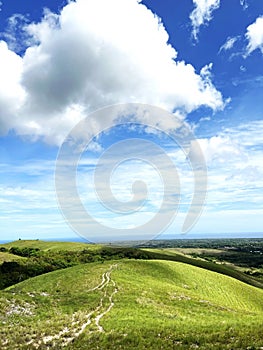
(126, 299)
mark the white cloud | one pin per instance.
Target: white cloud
(235, 169)
(254, 36)
(28, 203)
(235, 181)
(11, 93)
(249, 135)
(244, 4)
(228, 45)
(202, 13)
(242, 69)
(86, 58)
(221, 150)
(240, 146)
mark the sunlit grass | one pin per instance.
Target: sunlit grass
(158, 305)
(9, 257)
(50, 245)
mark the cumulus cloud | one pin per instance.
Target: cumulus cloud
(254, 36)
(202, 13)
(11, 93)
(85, 58)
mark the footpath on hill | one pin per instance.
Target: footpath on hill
(91, 320)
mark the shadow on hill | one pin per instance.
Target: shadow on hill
(38, 262)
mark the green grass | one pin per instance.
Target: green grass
(163, 254)
(158, 305)
(166, 303)
(50, 245)
(46, 304)
(4, 256)
(168, 254)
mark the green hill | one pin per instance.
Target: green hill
(49, 245)
(166, 254)
(65, 254)
(128, 304)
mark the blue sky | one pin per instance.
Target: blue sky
(200, 60)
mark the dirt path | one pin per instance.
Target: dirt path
(100, 315)
(90, 320)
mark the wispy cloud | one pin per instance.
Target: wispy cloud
(244, 4)
(15, 33)
(28, 202)
(202, 14)
(235, 168)
(229, 44)
(235, 180)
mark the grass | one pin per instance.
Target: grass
(180, 255)
(50, 245)
(4, 256)
(157, 305)
(189, 251)
(166, 305)
(48, 303)
(168, 254)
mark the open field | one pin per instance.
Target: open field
(119, 303)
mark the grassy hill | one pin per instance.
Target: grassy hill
(167, 254)
(128, 304)
(50, 245)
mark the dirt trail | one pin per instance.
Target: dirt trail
(100, 315)
(90, 320)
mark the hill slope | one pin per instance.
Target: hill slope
(50, 245)
(132, 305)
(70, 254)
